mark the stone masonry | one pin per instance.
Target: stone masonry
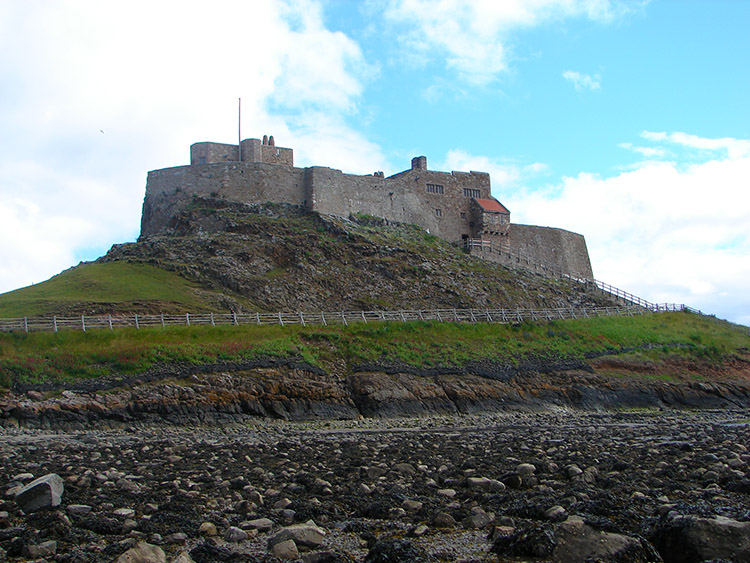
(455, 206)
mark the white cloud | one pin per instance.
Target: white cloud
(667, 231)
(154, 77)
(473, 36)
(583, 81)
(648, 152)
(504, 175)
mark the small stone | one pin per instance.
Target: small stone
(124, 512)
(143, 552)
(556, 513)
(478, 519)
(282, 503)
(176, 538)
(573, 471)
(404, 468)
(526, 469)
(260, 524)
(44, 549)
(411, 505)
(443, 520)
(183, 557)
(235, 534)
(78, 508)
(208, 529)
(450, 493)
(286, 549)
(419, 530)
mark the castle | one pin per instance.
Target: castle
(455, 206)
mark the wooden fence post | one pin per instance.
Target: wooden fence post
(110, 322)
(83, 323)
(54, 323)
(26, 324)
(136, 322)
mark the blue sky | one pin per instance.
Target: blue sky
(627, 122)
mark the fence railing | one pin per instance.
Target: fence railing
(321, 318)
(526, 262)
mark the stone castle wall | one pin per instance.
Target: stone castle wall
(170, 190)
(549, 245)
(443, 203)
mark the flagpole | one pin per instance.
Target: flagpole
(239, 127)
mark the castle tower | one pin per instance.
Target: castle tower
(253, 150)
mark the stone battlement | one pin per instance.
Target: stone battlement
(454, 206)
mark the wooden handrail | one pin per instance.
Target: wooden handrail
(498, 316)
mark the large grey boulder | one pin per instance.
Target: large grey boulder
(41, 493)
(307, 535)
(575, 542)
(687, 539)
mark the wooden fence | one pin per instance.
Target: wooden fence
(111, 322)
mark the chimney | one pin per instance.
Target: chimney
(419, 163)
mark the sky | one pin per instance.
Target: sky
(627, 122)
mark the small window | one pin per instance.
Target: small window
(463, 215)
(439, 212)
(434, 189)
(468, 192)
(201, 160)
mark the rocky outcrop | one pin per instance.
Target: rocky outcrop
(220, 395)
(282, 258)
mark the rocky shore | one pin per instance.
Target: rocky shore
(562, 486)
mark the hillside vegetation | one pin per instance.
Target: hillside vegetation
(644, 341)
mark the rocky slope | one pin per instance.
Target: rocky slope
(278, 257)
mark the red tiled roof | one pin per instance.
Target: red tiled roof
(492, 205)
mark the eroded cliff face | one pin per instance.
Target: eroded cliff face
(297, 392)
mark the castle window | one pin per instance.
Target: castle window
(439, 212)
(468, 192)
(201, 160)
(463, 215)
(434, 189)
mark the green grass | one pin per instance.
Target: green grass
(106, 283)
(65, 356)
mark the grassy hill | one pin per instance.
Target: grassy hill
(109, 287)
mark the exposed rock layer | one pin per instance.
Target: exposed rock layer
(227, 393)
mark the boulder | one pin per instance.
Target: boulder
(690, 539)
(41, 493)
(307, 535)
(575, 542)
